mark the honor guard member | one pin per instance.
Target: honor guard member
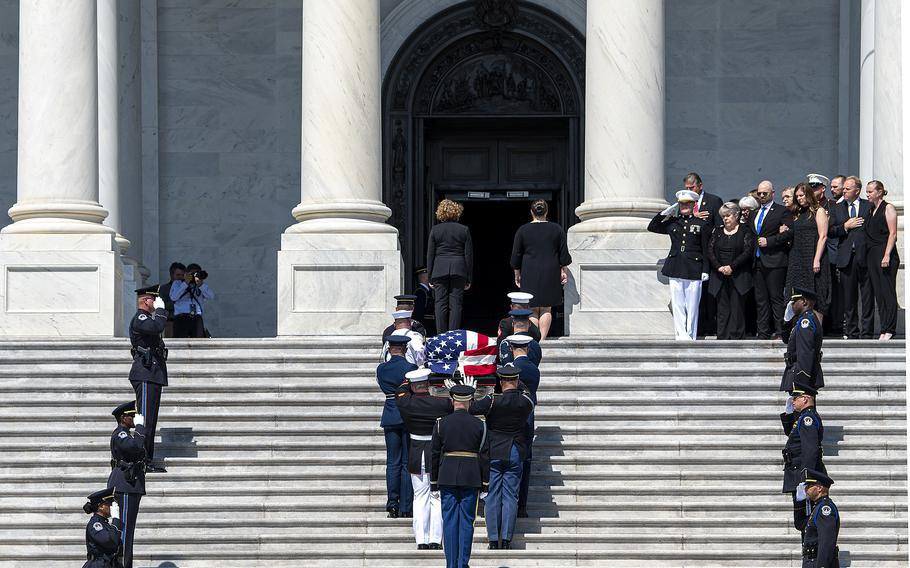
(803, 335)
(102, 534)
(517, 301)
(687, 263)
(521, 325)
(507, 418)
(390, 375)
(148, 374)
(820, 539)
(128, 471)
(424, 305)
(405, 303)
(805, 432)
(460, 470)
(416, 350)
(530, 378)
(419, 411)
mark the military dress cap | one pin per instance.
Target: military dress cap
(400, 340)
(462, 393)
(420, 270)
(519, 340)
(818, 178)
(520, 297)
(402, 314)
(103, 496)
(685, 195)
(802, 388)
(508, 372)
(418, 375)
(802, 293)
(811, 476)
(125, 408)
(404, 299)
(520, 314)
(148, 291)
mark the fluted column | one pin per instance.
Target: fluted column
(887, 118)
(340, 263)
(624, 175)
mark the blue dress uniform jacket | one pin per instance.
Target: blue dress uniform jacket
(390, 376)
(689, 236)
(820, 541)
(145, 332)
(507, 417)
(461, 452)
(529, 375)
(805, 433)
(419, 413)
(128, 461)
(804, 353)
(535, 354)
(102, 543)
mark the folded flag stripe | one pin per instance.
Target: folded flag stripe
(446, 351)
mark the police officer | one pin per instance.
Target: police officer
(820, 539)
(804, 342)
(507, 417)
(530, 379)
(390, 375)
(521, 324)
(460, 470)
(805, 432)
(687, 263)
(517, 301)
(148, 374)
(102, 534)
(424, 305)
(419, 411)
(128, 471)
(405, 303)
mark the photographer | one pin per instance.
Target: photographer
(189, 296)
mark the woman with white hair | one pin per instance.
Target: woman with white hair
(747, 205)
(730, 253)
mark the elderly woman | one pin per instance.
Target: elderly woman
(789, 200)
(450, 264)
(730, 253)
(881, 255)
(747, 205)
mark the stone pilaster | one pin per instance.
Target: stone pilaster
(340, 264)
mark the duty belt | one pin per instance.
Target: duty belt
(420, 438)
(460, 454)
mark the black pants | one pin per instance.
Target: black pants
(129, 509)
(731, 318)
(707, 313)
(884, 286)
(448, 292)
(769, 300)
(148, 399)
(856, 288)
(186, 325)
(834, 320)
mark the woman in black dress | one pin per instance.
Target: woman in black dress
(730, 252)
(450, 264)
(881, 255)
(808, 250)
(540, 256)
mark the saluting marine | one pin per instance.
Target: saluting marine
(820, 539)
(102, 534)
(128, 471)
(804, 342)
(805, 432)
(148, 375)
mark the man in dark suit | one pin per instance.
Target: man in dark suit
(770, 271)
(707, 208)
(846, 227)
(450, 264)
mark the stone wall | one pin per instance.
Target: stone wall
(9, 86)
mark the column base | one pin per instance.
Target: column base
(337, 277)
(615, 288)
(60, 285)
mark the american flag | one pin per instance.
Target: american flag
(475, 352)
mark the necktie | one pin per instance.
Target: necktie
(761, 217)
(697, 203)
(853, 209)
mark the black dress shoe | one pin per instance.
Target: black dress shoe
(522, 513)
(405, 514)
(506, 545)
(423, 547)
(435, 546)
(154, 468)
(393, 513)
(494, 545)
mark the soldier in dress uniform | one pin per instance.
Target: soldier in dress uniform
(390, 375)
(424, 305)
(530, 379)
(521, 325)
(804, 342)
(687, 263)
(419, 411)
(405, 303)
(820, 539)
(148, 374)
(507, 418)
(102, 534)
(460, 469)
(416, 349)
(128, 470)
(517, 301)
(805, 433)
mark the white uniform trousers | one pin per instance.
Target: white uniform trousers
(427, 510)
(685, 295)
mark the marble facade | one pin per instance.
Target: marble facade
(748, 91)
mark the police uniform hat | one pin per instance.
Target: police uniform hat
(812, 476)
(802, 388)
(418, 375)
(520, 314)
(462, 393)
(685, 195)
(402, 314)
(803, 293)
(519, 340)
(420, 270)
(520, 297)
(819, 179)
(399, 340)
(405, 299)
(125, 408)
(148, 291)
(508, 372)
(104, 496)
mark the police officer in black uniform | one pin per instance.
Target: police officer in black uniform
(424, 304)
(148, 374)
(805, 433)
(128, 471)
(820, 539)
(804, 342)
(405, 302)
(102, 534)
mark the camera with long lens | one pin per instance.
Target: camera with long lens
(201, 274)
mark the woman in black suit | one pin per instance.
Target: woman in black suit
(730, 252)
(450, 263)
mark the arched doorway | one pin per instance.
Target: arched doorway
(483, 104)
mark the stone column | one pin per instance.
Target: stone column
(887, 118)
(340, 265)
(866, 87)
(615, 287)
(59, 267)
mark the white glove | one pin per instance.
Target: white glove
(159, 303)
(671, 211)
(139, 420)
(704, 276)
(449, 383)
(788, 407)
(434, 494)
(483, 495)
(801, 492)
(115, 510)
(469, 381)
(789, 313)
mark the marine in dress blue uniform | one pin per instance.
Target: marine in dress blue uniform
(460, 470)
(390, 375)
(148, 375)
(820, 539)
(102, 533)
(804, 343)
(521, 325)
(805, 433)
(128, 471)
(530, 379)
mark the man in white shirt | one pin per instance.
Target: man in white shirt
(189, 296)
(415, 352)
